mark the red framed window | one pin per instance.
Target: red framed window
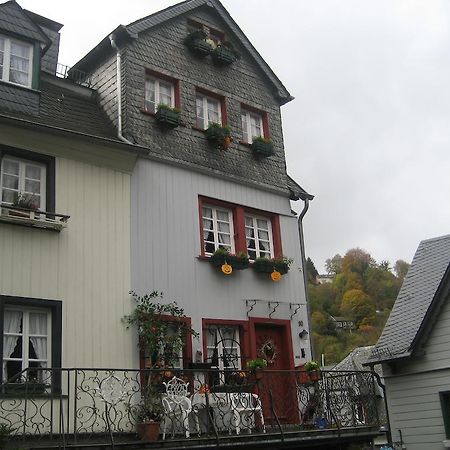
(210, 108)
(238, 229)
(160, 89)
(254, 123)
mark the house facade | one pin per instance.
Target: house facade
(414, 351)
(190, 197)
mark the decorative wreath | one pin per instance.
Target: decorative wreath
(268, 351)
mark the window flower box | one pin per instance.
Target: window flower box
(224, 55)
(218, 135)
(262, 147)
(266, 265)
(168, 117)
(26, 388)
(199, 44)
(237, 262)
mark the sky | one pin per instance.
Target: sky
(369, 130)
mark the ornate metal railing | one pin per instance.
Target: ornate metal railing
(74, 405)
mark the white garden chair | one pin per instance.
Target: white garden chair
(244, 407)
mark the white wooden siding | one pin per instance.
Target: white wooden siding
(166, 245)
(86, 265)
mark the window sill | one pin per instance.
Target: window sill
(148, 113)
(20, 86)
(35, 219)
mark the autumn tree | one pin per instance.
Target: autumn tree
(334, 264)
(401, 269)
(358, 306)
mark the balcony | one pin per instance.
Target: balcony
(32, 218)
(91, 408)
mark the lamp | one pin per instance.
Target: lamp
(303, 334)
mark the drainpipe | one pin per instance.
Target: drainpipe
(119, 90)
(305, 278)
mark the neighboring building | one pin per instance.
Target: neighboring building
(414, 351)
(324, 278)
(189, 197)
(343, 323)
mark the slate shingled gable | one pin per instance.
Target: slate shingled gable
(419, 295)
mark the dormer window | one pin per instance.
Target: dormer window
(16, 61)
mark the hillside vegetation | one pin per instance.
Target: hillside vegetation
(361, 292)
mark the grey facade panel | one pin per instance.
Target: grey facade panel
(18, 100)
(50, 58)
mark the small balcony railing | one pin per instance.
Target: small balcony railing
(32, 218)
(76, 406)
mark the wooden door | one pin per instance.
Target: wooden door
(277, 387)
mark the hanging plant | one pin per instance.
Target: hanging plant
(219, 135)
(224, 54)
(167, 117)
(228, 262)
(199, 43)
(262, 147)
(275, 266)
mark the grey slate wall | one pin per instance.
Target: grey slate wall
(50, 59)
(161, 49)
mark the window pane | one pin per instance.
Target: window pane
(8, 196)
(244, 127)
(213, 111)
(262, 224)
(223, 215)
(207, 212)
(263, 235)
(165, 93)
(200, 112)
(150, 95)
(32, 172)
(19, 63)
(11, 167)
(255, 123)
(10, 181)
(32, 187)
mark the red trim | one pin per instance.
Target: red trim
(239, 211)
(243, 335)
(282, 323)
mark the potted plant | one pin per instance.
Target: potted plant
(162, 333)
(256, 365)
(24, 202)
(167, 116)
(199, 43)
(312, 369)
(149, 414)
(280, 264)
(5, 434)
(224, 54)
(219, 135)
(262, 146)
(221, 257)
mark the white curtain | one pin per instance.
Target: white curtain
(11, 325)
(38, 326)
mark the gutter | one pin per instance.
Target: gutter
(119, 90)
(305, 278)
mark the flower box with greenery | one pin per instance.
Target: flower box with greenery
(219, 135)
(224, 54)
(262, 146)
(26, 388)
(167, 117)
(311, 372)
(221, 256)
(199, 43)
(162, 333)
(235, 381)
(25, 203)
(265, 265)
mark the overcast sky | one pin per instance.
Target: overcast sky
(369, 130)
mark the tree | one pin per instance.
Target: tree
(401, 269)
(334, 264)
(357, 260)
(357, 305)
(311, 271)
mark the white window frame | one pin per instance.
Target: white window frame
(221, 347)
(21, 188)
(25, 360)
(246, 116)
(215, 230)
(157, 81)
(256, 238)
(7, 60)
(204, 122)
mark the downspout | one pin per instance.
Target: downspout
(305, 278)
(119, 90)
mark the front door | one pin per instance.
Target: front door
(277, 388)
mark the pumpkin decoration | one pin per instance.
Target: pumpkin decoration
(227, 140)
(227, 269)
(275, 275)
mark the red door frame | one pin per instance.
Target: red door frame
(281, 323)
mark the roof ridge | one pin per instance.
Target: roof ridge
(439, 238)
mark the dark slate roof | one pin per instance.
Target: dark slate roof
(355, 360)
(296, 191)
(69, 107)
(416, 300)
(14, 19)
(142, 25)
